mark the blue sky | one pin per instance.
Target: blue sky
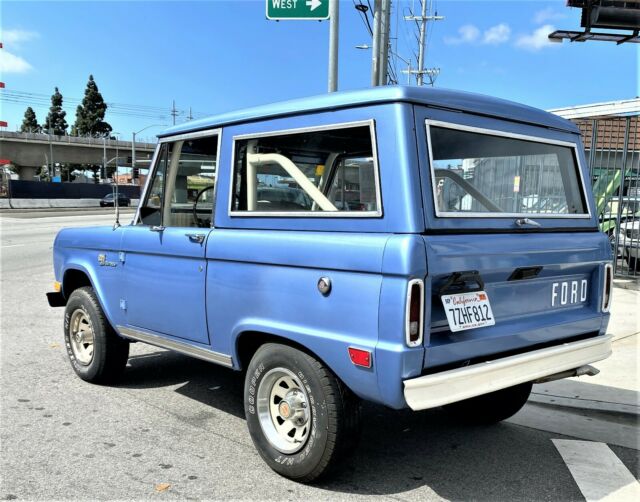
(216, 56)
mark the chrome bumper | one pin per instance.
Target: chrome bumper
(430, 391)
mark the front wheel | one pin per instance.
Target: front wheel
(301, 417)
(96, 352)
(491, 408)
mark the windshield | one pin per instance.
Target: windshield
(476, 173)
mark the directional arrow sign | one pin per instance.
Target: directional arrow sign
(298, 9)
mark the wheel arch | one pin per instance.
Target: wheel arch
(76, 276)
(329, 349)
(248, 342)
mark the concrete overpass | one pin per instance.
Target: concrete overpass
(30, 151)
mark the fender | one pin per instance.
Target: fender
(110, 308)
(330, 347)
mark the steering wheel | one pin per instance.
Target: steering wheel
(201, 222)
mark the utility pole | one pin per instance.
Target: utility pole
(334, 23)
(190, 117)
(174, 112)
(423, 18)
(375, 53)
(385, 27)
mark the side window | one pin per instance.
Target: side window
(151, 210)
(321, 171)
(182, 189)
(191, 183)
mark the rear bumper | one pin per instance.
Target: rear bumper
(430, 391)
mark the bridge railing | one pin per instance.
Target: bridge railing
(78, 140)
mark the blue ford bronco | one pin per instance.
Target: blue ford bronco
(412, 247)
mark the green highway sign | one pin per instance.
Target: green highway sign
(298, 9)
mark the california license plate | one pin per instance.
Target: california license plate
(468, 310)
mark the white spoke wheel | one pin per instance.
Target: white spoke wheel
(301, 417)
(97, 354)
(81, 336)
(283, 410)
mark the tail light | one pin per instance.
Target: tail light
(414, 318)
(607, 286)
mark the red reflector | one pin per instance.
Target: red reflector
(360, 357)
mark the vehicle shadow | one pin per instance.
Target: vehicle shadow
(399, 451)
(207, 383)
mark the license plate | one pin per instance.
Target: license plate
(468, 310)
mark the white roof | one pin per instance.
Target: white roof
(623, 107)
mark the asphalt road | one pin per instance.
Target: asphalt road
(180, 421)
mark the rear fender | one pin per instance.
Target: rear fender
(331, 348)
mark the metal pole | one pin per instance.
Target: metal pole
(52, 168)
(104, 157)
(334, 22)
(375, 53)
(384, 42)
(133, 160)
(423, 32)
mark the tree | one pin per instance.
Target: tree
(55, 122)
(90, 114)
(30, 122)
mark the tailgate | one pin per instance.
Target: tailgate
(543, 288)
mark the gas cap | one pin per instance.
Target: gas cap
(324, 285)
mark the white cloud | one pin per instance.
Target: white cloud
(15, 38)
(497, 34)
(470, 33)
(537, 40)
(548, 14)
(466, 34)
(10, 63)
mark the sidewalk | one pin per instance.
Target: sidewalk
(605, 407)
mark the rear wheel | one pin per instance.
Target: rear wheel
(491, 408)
(97, 354)
(634, 263)
(301, 417)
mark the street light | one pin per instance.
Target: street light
(134, 170)
(408, 71)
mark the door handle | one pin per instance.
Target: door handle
(157, 228)
(197, 238)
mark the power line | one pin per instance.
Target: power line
(117, 109)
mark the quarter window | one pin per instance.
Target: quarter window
(318, 172)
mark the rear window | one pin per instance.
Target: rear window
(483, 173)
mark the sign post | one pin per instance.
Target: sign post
(297, 9)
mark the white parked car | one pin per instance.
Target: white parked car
(629, 241)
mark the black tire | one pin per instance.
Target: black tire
(491, 408)
(634, 263)
(334, 413)
(110, 352)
